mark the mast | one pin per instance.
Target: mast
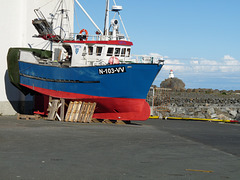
(61, 23)
(106, 24)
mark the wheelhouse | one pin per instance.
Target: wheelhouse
(88, 53)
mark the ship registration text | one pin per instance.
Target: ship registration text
(112, 70)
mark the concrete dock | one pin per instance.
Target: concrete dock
(154, 149)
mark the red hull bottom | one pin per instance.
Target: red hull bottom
(122, 109)
(107, 108)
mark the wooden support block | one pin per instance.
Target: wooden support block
(74, 110)
(53, 108)
(91, 112)
(18, 116)
(62, 110)
(107, 121)
(120, 122)
(28, 117)
(81, 112)
(85, 120)
(37, 116)
(84, 112)
(94, 120)
(78, 111)
(69, 111)
(50, 99)
(58, 117)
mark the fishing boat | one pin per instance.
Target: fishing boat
(91, 68)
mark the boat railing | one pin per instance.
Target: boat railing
(147, 59)
(126, 58)
(77, 36)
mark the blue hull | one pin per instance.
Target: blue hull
(114, 81)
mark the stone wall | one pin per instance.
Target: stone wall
(198, 103)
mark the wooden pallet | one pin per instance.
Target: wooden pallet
(53, 108)
(28, 117)
(79, 111)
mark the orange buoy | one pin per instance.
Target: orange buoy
(86, 33)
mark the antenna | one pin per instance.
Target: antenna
(117, 9)
(106, 19)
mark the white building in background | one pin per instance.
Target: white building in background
(16, 31)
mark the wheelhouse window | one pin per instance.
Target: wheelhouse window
(90, 50)
(99, 51)
(128, 52)
(123, 52)
(84, 51)
(117, 51)
(110, 52)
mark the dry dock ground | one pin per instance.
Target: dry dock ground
(155, 149)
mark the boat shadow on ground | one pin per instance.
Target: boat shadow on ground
(19, 102)
(102, 121)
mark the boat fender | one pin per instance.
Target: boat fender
(86, 33)
(113, 60)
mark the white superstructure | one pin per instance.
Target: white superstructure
(17, 31)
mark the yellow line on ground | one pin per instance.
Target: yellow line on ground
(198, 119)
(196, 170)
(154, 117)
(194, 119)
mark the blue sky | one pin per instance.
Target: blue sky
(199, 39)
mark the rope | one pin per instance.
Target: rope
(76, 17)
(45, 4)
